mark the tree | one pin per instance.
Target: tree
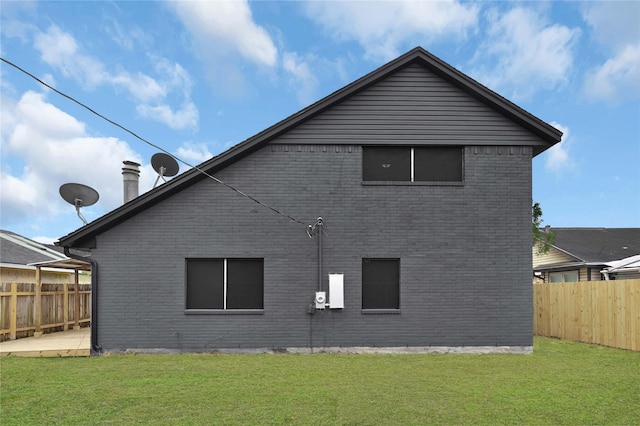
(542, 239)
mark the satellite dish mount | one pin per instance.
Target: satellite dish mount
(79, 195)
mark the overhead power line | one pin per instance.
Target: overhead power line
(135, 135)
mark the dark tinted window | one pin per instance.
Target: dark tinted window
(386, 163)
(244, 283)
(380, 283)
(438, 164)
(205, 285)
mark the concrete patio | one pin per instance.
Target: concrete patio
(64, 343)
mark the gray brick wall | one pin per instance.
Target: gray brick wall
(465, 255)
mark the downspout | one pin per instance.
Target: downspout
(320, 224)
(95, 348)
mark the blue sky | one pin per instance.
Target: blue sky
(198, 77)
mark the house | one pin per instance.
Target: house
(35, 282)
(18, 256)
(394, 214)
(585, 254)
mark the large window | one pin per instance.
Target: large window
(380, 283)
(225, 283)
(564, 277)
(412, 164)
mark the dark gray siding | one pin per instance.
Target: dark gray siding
(465, 255)
(412, 106)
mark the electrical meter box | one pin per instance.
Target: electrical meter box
(336, 291)
(321, 299)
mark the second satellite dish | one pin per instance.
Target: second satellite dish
(164, 165)
(79, 195)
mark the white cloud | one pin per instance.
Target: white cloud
(380, 27)
(129, 37)
(60, 50)
(225, 38)
(142, 87)
(558, 157)
(523, 53)
(227, 27)
(44, 240)
(615, 26)
(55, 149)
(8, 118)
(617, 79)
(175, 75)
(194, 153)
(614, 23)
(305, 81)
(184, 118)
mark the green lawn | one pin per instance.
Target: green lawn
(560, 383)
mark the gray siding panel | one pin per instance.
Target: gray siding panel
(412, 106)
(465, 251)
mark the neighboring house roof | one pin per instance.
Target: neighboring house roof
(548, 136)
(629, 264)
(18, 250)
(592, 246)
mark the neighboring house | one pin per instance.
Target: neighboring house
(422, 178)
(18, 255)
(582, 254)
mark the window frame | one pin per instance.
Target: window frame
(397, 283)
(225, 309)
(564, 274)
(412, 181)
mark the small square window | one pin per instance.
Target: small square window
(380, 283)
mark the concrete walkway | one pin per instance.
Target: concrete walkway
(63, 343)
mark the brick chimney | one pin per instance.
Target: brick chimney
(130, 179)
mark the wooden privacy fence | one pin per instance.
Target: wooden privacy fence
(601, 312)
(28, 309)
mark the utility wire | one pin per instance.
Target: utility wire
(72, 99)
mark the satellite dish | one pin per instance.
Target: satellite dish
(164, 165)
(79, 195)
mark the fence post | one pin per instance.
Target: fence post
(65, 307)
(38, 303)
(13, 311)
(76, 303)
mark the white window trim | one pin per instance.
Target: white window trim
(413, 167)
(224, 283)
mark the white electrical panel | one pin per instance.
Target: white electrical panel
(321, 299)
(336, 291)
